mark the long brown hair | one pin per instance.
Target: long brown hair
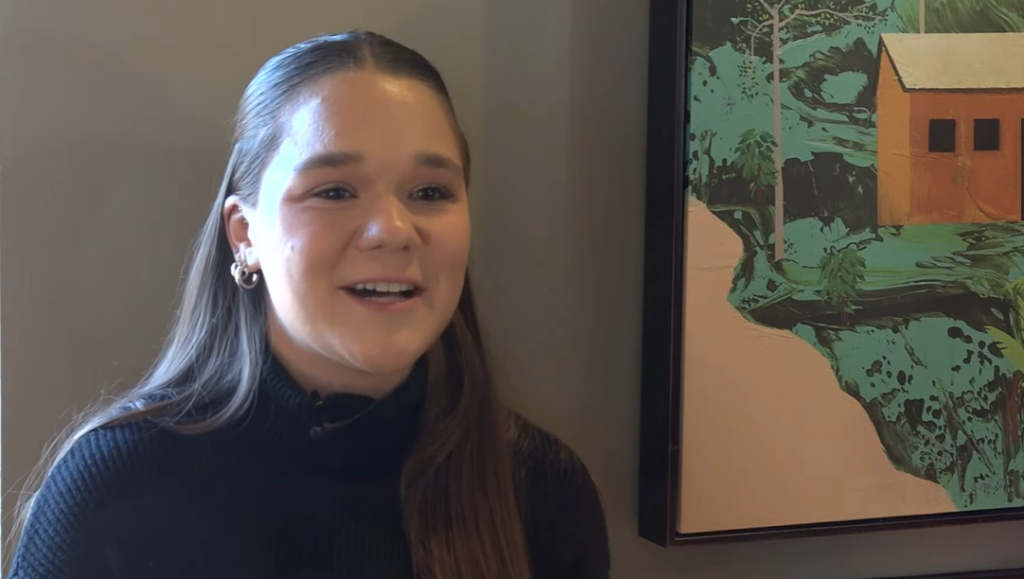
(462, 515)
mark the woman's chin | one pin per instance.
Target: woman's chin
(388, 362)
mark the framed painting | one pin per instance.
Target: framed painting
(833, 331)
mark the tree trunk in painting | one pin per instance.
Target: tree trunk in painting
(920, 15)
(780, 242)
(778, 16)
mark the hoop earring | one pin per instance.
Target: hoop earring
(243, 277)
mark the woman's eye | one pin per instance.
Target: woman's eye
(335, 193)
(432, 193)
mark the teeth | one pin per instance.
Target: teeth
(385, 287)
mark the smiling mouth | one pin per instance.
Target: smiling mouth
(384, 292)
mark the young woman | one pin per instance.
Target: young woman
(324, 406)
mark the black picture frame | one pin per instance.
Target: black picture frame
(660, 446)
(664, 252)
(988, 574)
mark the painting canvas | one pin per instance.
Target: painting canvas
(834, 284)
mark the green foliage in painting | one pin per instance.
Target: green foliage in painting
(1012, 346)
(754, 159)
(963, 16)
(841, 273)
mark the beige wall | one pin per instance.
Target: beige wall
(112, 134)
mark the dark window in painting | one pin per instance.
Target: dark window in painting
(986, 134)
(942, 136)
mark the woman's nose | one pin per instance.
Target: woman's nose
(389, 225)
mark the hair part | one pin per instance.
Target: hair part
(462, 514)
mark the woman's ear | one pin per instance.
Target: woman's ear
(236, 226)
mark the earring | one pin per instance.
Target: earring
(243, 277)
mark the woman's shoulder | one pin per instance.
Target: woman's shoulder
(105, 458)
(119, 444)
(100, 465)
(92, 469)
(539, 453)
(563, 508)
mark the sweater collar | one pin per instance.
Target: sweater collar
(351, 432)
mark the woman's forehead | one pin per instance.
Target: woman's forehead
(365, 118)
(368, 107)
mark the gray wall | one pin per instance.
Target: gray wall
(112, 138)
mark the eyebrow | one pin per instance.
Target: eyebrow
(437, 161)
(336, 159)
(330, 160)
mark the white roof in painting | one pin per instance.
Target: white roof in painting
(963, 61)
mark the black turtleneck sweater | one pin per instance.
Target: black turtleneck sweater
(266, 500)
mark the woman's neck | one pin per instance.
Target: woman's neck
(345, 434)
(317, 372)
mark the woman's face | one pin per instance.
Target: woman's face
(361, 231)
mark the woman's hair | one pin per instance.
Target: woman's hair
(459, 499)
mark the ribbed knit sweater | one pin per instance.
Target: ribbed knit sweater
(269, 499)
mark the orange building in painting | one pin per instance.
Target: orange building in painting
(950, 117)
